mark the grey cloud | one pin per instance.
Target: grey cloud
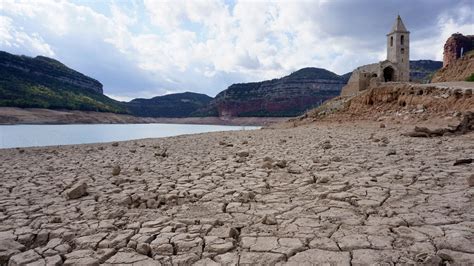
(370, 19)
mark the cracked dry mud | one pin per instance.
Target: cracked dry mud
(352, 194)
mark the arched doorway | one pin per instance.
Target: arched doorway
(388, 74)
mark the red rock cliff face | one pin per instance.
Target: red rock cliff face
(458, 70)
(288, 96)
(454, 45)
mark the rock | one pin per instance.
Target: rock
(143, 248)
(224, 232)
(116, 170)
(269, 219)
(470, 180)
(323, 180)
(54, 260)
(326, 145)
(8, 248)
(24, 258)
(10, 244)
(162, 153)
(267, 159)
(161, 249)
(125, 201)
(462, 161)
(214, 244)
(152, 204)
(267, 165)
(243, 153)
(63, 248)
(260, 258)
(295, 169)
(382, 125)
(187, 243)
(281, 163)
(115, 144)
(130, 257)
(451, 257)
(428, 259)
(229, 258)
(90, 241)
(77, 190)
(86, 261)
(391, 152)
(185, 259)
(246, 196)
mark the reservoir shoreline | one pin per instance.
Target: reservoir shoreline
(38, 116)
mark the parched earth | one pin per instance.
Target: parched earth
(335, 194)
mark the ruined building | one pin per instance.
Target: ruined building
(395, 68)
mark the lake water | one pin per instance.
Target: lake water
(12, 136)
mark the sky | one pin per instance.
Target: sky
(146, 48)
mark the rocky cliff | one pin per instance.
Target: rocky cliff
(172, 105)
(456, 46)
(459, 70)
(42, 82)
(288, 96)
(42, 69)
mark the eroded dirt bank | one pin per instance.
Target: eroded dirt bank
(350, 193)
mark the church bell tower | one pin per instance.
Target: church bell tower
(398, 49)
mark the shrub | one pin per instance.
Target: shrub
(470, 78)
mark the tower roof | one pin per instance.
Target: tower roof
(399, 26)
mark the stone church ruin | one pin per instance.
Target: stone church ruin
(396, 68)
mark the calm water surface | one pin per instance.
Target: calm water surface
(12, 136)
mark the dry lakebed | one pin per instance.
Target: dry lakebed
(331, 194)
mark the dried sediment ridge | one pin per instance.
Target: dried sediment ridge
(344, 194)
(434, 98)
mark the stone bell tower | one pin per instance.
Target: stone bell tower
(398, 51)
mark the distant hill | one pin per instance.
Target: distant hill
(172, 105)
(423, 70)
(291, 95)
(42, 82)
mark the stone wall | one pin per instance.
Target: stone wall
(360, 79)
(453, 46)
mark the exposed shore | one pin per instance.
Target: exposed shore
(348, 193)
(11, 116)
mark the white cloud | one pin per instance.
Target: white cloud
(10, 36)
